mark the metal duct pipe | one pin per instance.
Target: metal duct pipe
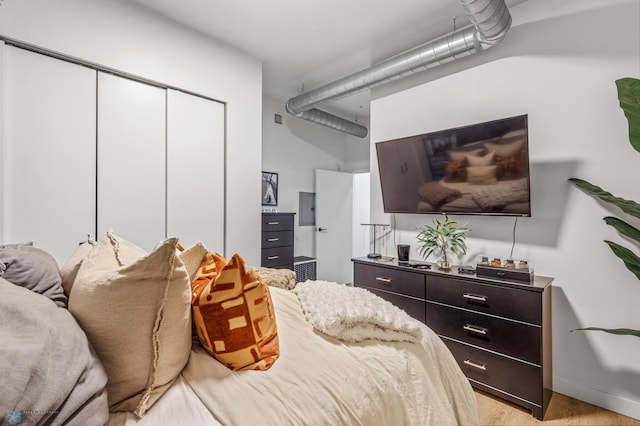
(329, 120)
(491, 21)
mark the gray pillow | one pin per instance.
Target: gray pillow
(33, 269)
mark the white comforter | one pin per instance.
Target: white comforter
(319, 380)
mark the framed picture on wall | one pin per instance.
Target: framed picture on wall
(269, 189)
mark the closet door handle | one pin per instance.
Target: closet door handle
(470, 363)
(477, 330)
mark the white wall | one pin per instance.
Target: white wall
(558, 64)
(127, 37)
(294, 150)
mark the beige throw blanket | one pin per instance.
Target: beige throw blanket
(354, 314)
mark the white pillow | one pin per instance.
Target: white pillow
(137, 317)
(482, 175)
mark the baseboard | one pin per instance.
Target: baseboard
(605, 400)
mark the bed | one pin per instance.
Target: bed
(316, 379)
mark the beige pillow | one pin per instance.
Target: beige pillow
(482, 175)
(281, 278)
(137, 315)
(192, 258)
(69, 270)
(462, 155)
(506, 149)
(476, 160)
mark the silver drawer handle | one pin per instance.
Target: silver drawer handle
(273, 223)
(478, 330)
(474, 365)
(273, 239)
(474, 297)
(384, 280)
(272, 257)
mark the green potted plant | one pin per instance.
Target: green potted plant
(442, 238)
(629, 97)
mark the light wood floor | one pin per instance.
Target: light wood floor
(562, 410)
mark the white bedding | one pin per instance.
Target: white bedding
(509, 195)
(319, 380)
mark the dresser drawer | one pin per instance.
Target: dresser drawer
(277, 239)
(413, 307)
(393, 280)
(277, 256)
(277, 222)
(510, 338)
(508, 375)
(507, 302)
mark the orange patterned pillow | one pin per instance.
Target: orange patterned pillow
(234, 315)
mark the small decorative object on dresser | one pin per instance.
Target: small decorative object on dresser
(277, 240)
(498, 330)
(269, 189)
(509, 269)
(443, 238)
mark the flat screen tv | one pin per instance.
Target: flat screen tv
(481, 168)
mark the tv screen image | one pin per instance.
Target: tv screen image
(481, 168)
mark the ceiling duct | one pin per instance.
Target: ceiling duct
(490, 22)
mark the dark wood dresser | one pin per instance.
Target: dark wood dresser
(499, 331)
(277, 240)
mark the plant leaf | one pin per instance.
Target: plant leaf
(629, 97)
(619, 331)
(631, 261)
(623, 227)
(627, 206)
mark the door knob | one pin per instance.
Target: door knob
(322, 229)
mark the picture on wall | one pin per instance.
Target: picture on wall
(269, 189)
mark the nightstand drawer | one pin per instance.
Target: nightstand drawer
(511, 338)
(508, 375)
(277, 239)
(506, 302)
(277, 222)
(387, 279)
(277, 256)
(413, 307)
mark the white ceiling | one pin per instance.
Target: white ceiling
(314, 42)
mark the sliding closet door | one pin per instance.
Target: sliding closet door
(195, 170)
(131, 160)
(50, 152)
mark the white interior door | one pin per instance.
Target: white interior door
(132, 160)
(50, 152)
(195, 170)
(334, 216)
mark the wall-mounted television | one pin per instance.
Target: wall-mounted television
(481, 168)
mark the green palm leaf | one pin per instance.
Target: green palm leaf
(619, 331)
(631, 261)
(623, 227)
(627, 206)
(629, 97)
